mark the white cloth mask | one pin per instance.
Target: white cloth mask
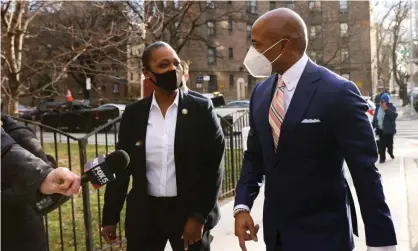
(257, 64)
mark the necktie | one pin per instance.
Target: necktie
(276, 114)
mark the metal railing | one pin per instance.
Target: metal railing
(76, 225)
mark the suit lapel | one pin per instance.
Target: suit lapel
(301, 99)
(141, 118)
(184, 114)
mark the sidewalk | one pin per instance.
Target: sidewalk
(411, 175)
(404, 112)
(394, 185)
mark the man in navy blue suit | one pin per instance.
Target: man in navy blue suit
(305, 121)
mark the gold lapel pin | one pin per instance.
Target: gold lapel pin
(184, 111)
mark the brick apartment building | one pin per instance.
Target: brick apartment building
(339, 39)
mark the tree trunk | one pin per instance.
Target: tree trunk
(403, 94)
(10, 105)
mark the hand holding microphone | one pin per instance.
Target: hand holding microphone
(62, 181)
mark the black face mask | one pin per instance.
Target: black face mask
(169, 81)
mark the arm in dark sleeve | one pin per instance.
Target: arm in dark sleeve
(374, 122)
(116, 190)
(21, 171)
(212, 167)
(355, 138)
(252, 171)
(23, 136)
(391, 112)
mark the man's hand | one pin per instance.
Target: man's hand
(192, 233)
(384, 106)
(109, 233)
(243, 224)
(62, 181)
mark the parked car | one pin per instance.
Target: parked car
(75, 118)
(120, 107)
(217, 98)
(26, 112)
(372, 107)
(237, 104)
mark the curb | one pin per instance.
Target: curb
(410, 167)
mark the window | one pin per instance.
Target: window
(346, 75)
(211, 28)
(313, 56)
(272, 5)
(211, 56)
(314, 31)
(176, 4)
(116, 88)
(231, 80)
(343, 6)
(249, 27)
(252, 6)
(132, 76)
(290, 5)
(230, 2)
(211, 4)
(314, 5)
(343, 29)
(213, 84)
(229, 27)
(344, 54)
(230, 53)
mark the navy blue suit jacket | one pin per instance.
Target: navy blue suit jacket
(307, 199)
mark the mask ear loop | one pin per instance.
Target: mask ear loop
(275, 45)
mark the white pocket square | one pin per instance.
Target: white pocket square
(310, 121)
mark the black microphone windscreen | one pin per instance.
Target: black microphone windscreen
(117, 160)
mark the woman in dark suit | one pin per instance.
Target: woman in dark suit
(176, 146)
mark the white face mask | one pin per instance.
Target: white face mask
(257, 64)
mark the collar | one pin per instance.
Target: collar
(292, 75)
(155, 103)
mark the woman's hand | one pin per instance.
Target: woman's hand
(109, 233)
(193, 231)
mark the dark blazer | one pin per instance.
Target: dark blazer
(307, 205)
(199, 148)
(389, 121)
(196, 94)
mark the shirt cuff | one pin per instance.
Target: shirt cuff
(388, 248)
(241, 206)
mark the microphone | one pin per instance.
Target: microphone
(102, 169)
(99, 172)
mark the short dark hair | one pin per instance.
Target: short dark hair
(185, 66)
(147, 54)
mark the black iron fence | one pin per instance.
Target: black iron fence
(76, 224)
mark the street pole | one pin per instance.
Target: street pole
(411, 54)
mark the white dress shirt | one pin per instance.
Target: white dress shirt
(291, 78)
(159, 150)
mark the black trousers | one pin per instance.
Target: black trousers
(385, 142)
(167, 218)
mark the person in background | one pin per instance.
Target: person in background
(176, 147)
(305, 121)
(378, 96)
(183, 85)
(384, 121)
